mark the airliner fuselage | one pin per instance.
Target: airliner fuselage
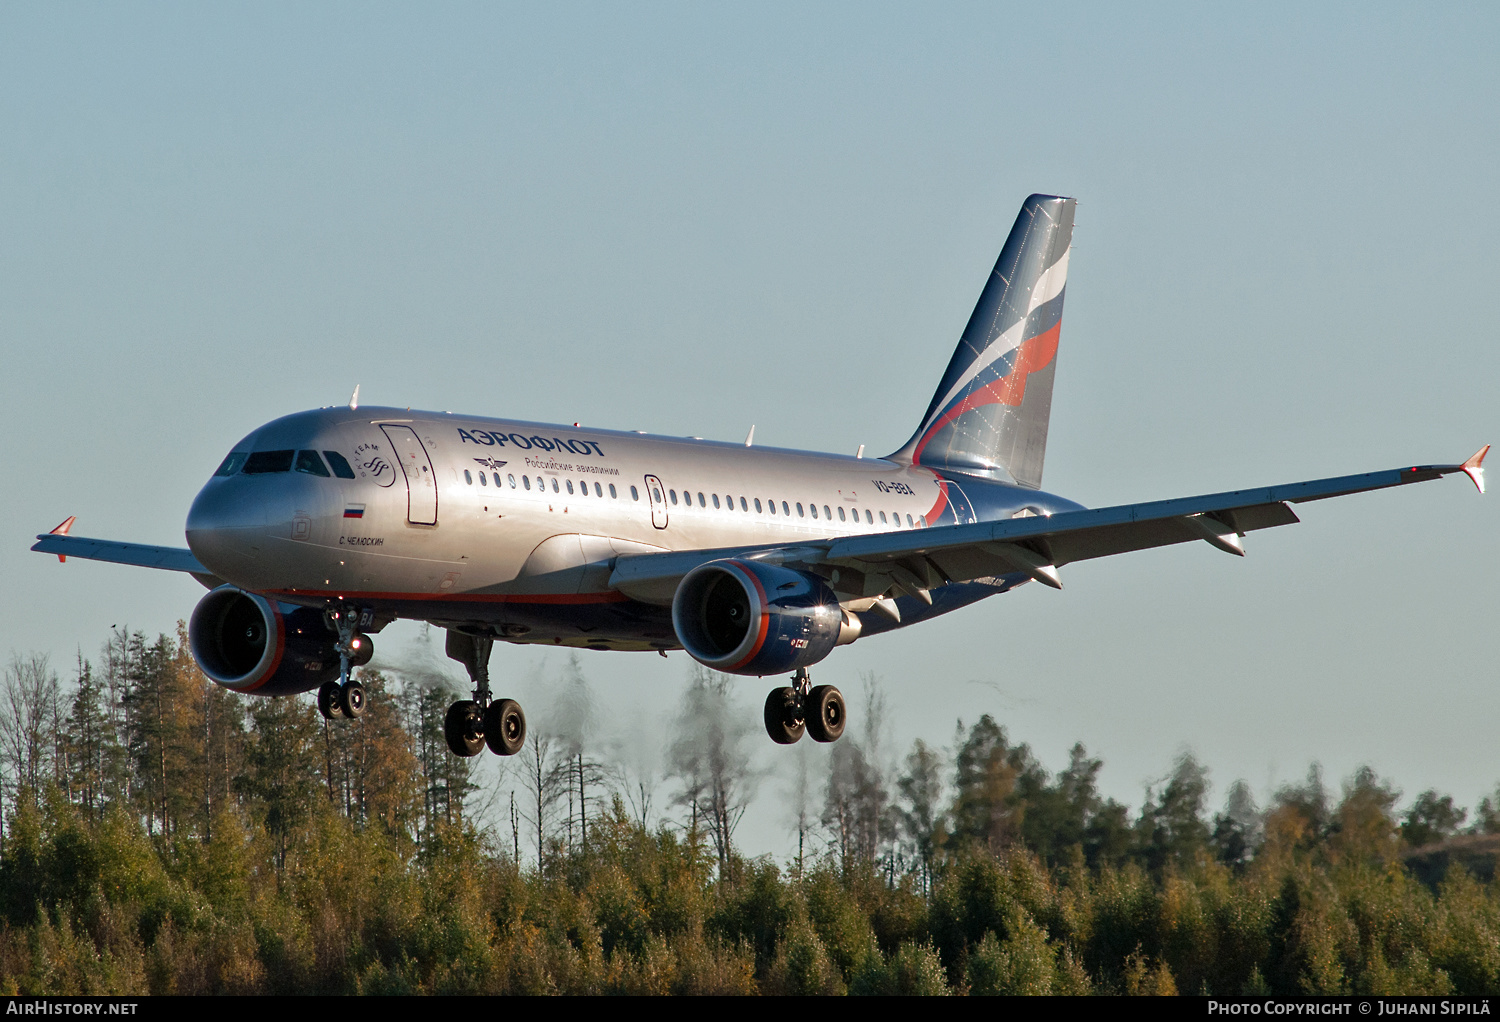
(516, 524)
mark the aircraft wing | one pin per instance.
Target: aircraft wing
(168, 558)
(914, 561)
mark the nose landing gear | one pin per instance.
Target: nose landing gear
(800, 707)
(471, 724)
(346, 697)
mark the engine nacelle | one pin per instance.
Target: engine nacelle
(250, 644)
(743, 617)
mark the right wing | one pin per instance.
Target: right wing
(165, 557)
(915, 561)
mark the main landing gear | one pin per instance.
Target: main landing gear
(801, 707)
(471, 724)
(346, 697)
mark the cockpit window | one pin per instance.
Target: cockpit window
(340, 465)
(268, 461)
(309, 462)
(233, 463)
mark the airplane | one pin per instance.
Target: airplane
(322, 527)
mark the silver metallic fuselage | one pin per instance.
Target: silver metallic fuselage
(529, 552)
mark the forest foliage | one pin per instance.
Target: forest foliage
(164, 835)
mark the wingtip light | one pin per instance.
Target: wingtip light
(1474, 467)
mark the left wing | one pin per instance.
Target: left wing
(864, 567)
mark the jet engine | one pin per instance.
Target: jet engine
(250, 644)
(743, 617)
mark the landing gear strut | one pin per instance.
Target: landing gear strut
(346, 697)
(471, 724)
(800, 707)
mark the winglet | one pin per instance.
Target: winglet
(354, 399)
(1473, 468)
(62, 530)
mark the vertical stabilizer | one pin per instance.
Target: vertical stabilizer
(989, 415)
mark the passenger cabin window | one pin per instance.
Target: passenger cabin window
(512, 481)
(340, 465)
(598, 490)
(841, 512)
(702, 501)
(468, 478)
(757, 505)
(232, 464)
(908, 522)
(570, 486)
(673, 495)
(799, 509)
(813, 508)
(554, 485)
(262, 462)
(744, 506)
(482, 480)
(786, 510)
(829, 514)
(882, 518)
(634, 494)
(716, 502)
(869, 518)
(526, 482)
(612, 491)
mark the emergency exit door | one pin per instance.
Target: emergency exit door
(421, 481)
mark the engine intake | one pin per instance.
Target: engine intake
(743, 617)
(247, 643)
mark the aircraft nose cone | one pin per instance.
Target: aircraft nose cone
(226, 528)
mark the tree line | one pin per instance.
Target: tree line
(162, 834)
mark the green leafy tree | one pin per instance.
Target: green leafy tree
(1364, 824)
(1432, 818)
(1171, 826)
(984, 777)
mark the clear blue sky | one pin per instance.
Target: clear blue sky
(690, 218)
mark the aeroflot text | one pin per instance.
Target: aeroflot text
(1326, 1008)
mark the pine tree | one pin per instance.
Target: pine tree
(281, 778)
(919, 811)
(94, 752)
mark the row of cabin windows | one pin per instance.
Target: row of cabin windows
(541, 484)
(703, 500)
(786, 509)
(265, 462)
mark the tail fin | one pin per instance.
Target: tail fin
(989, 415)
